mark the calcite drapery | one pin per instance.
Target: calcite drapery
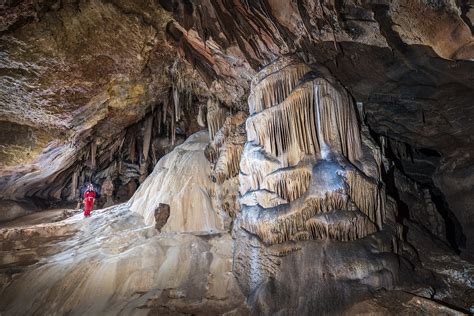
(314, 220)
(299, 176)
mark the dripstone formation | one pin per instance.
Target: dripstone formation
(314, 217)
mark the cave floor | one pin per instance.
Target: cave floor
(60, 243)
(41, 217)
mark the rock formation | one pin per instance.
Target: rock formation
(306, 198)
(181, 179)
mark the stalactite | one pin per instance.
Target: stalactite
(383, 143)
(177, 105)
(255, 165)
(173, 127)
(340, 128)
(201, 117)
(132, 151)
(180, 93)
(263, 198)
(225, 150)
(74, 184)
(294, 123)
(228, 163)
(275, 87)
(165, 111)
(350, 227)
(367, 195)
(148, 125)
(291, 218)
(216, 116)
(289, 183)
(291, 125)
(93, 154)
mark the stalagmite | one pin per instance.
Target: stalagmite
(181, 180)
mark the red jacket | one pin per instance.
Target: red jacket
(89, 197)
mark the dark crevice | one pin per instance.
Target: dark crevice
(429, 152)
(454, 231)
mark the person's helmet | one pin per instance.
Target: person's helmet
(90, 187)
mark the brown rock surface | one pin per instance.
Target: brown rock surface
(162, 213)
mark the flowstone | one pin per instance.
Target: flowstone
(315, 220)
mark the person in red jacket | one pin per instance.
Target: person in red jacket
(89, 197)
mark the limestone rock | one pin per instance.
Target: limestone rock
(181, 180)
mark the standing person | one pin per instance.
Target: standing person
(89, 197)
